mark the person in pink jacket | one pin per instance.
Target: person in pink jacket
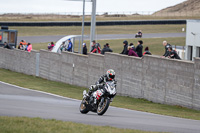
(29, 48)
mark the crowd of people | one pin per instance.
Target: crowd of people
(22, 46)
(25, 46)
(128, 49)
(131, 50)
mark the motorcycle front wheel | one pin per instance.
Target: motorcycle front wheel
(103, 108)
(83, 109)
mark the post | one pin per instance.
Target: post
(93, 22)
(37, 67)
(83, 21)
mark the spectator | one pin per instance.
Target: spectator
(84, 49)
(6, 45)
(93, 45)
(167, 45)
(132, 45)
(146, 51)
(63, 47)
(96, 49)
(139, 48)
(70, 45)
(173, 54)
(21, 46)
(125, 50)
(50, 47)
(131, 52)
(29, 48)
(106, 49)
(23, 42)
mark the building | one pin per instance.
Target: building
(192, 39)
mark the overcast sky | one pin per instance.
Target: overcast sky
(58, 6)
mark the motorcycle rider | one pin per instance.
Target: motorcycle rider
(109, 76)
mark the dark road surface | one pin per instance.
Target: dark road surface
(17, 101)
(54, 38)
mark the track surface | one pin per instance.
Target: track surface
(16, 101)
(42, 39)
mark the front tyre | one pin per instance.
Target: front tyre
(103, 108)
(83, 109)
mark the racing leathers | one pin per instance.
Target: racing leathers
(99, 84)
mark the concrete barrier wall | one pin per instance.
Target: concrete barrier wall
(19, 61)
(167, 81)
(196, 91)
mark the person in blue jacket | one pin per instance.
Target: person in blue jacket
(70, 45)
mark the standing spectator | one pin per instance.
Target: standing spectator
(173, 54)
(70, 45)
(93, 45)
(131, 52)
(21, 46)
(167, 45)
(50, 47)
(84, 49)
(96, 49)
(132, 45)
(29, 48)
(63, 46)
(125, 50)
(139, 48)
(146, 51)
(106, 49)
(6, 45)
(23, 42)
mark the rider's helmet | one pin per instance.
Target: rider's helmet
(110, 74)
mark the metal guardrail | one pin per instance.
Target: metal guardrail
(98, 23)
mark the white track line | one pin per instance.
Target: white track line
(40, 91)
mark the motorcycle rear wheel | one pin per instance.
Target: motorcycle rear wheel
(102, 109)
(83, 109)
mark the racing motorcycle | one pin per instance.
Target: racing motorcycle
(99, 100)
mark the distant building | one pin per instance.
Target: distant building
(192, 39)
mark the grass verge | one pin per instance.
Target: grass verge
(38, 125)
(154, 44)
(76, 92)
(117, 29)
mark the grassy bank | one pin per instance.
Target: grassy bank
(38, 125)
(76, 92)
(117, 29)
(154, 44)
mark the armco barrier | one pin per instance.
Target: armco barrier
(167, 81)
(98, 23)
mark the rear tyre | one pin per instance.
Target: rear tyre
(83, 109)
(103, 108)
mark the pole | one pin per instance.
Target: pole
(83, 21)
(93, 22)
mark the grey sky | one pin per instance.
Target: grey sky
(57, 6)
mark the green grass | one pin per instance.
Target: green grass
(47, 17)
(38, 125)
(76, 92)
(117, 29)
(154, 44)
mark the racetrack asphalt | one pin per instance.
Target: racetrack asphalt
(17, 101)
(54, 38)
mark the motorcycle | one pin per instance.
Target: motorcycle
(99, 100)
